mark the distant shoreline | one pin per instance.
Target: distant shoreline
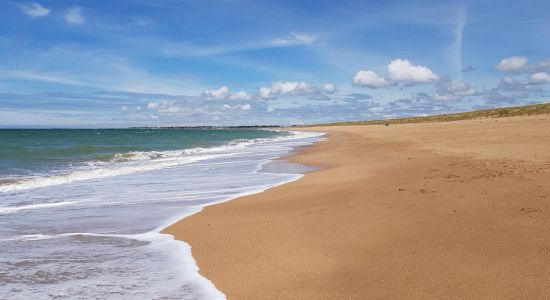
(512, 111)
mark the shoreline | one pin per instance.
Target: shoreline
(393, 211)
(163, 229)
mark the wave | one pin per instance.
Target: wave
(39, 236)
(11, 209)
(132, 162)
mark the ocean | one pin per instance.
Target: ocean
(81, 210)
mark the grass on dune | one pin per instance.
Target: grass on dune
(527, 110)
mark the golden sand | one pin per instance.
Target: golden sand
(415, 211)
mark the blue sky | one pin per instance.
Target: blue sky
(242, 62)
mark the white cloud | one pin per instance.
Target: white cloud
(242, 95)
(296, 88)
(399, 70)
(285, 87)
(304, 37)
(74, 16)
(370, 79)
(164, 107)
(403, 70)
(245, 107)
(223, 93)
(540, 77)
(265, 93)
(303, 88)
(280, 87)
(216, 94)
(512, 64)
(328, 88)
(34, 10)
(270, 109)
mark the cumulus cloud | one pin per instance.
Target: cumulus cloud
(512, 64)
(223, 93)
(328, 88)
(540, 78)
(216, 94)
(399, 70)
(241, 95)
(403, 70)
(370, 79)
(34, 10)
(296, 88)
(74, 16)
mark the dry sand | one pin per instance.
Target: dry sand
(415, 211)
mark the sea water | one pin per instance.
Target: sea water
(81, 210)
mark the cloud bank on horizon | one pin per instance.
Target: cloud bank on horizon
(87, 63)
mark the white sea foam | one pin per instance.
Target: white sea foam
(108, 171)
(144, 161)
(99, 237)
(11, 209)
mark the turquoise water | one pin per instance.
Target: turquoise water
(32, 152)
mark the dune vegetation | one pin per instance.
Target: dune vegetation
(527, 110)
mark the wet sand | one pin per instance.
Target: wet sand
(415, 211)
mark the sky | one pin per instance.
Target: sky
(89, 63)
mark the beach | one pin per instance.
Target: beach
(418, 211)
